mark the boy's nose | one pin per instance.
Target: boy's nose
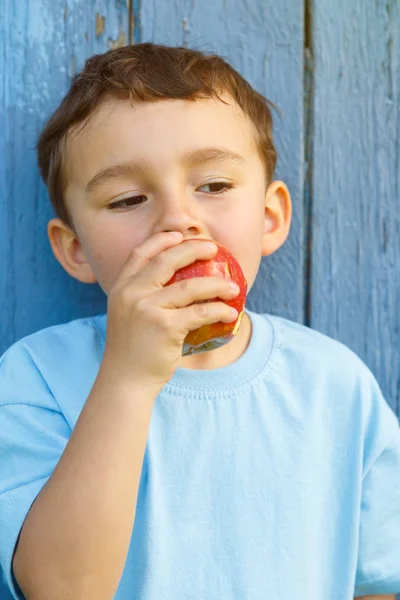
(179, 216)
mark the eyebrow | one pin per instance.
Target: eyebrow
(127, 168)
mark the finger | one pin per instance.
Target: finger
(197, 315)
(144, 253)
(163, 266)
(198, 289)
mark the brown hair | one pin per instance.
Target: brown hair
(146, 73)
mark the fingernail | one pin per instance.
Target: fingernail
(211, 246)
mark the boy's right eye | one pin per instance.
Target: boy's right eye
(126, 202)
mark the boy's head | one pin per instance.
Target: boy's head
(180, 140)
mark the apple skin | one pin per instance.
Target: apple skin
(215, 335)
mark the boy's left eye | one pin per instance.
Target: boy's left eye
(223, 184)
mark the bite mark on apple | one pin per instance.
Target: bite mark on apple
(238, 322)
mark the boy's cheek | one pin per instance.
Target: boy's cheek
(106, 264)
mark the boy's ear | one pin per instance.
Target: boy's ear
(277, 217)
(69, 252)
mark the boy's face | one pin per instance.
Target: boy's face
(172, 193)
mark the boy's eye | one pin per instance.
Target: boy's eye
(226, 186)
(137, 200)
(126, 202)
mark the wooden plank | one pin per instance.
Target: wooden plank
(356, 182)
(44, 43)
(263, 40)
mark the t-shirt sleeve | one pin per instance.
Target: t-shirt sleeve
(378, 568)
(33, 435)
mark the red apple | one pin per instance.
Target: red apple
(210, 337)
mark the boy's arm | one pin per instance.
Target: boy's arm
(75, 539)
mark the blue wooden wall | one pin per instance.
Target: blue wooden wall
(334, 70)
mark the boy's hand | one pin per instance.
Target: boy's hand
(147, 322)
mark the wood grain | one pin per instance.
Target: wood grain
(355, 282)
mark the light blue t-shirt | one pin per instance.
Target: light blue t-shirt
(275, 477)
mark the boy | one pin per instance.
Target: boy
(267, 468)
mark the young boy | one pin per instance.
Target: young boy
(265, 469)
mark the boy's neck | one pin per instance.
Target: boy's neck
(224, 356)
